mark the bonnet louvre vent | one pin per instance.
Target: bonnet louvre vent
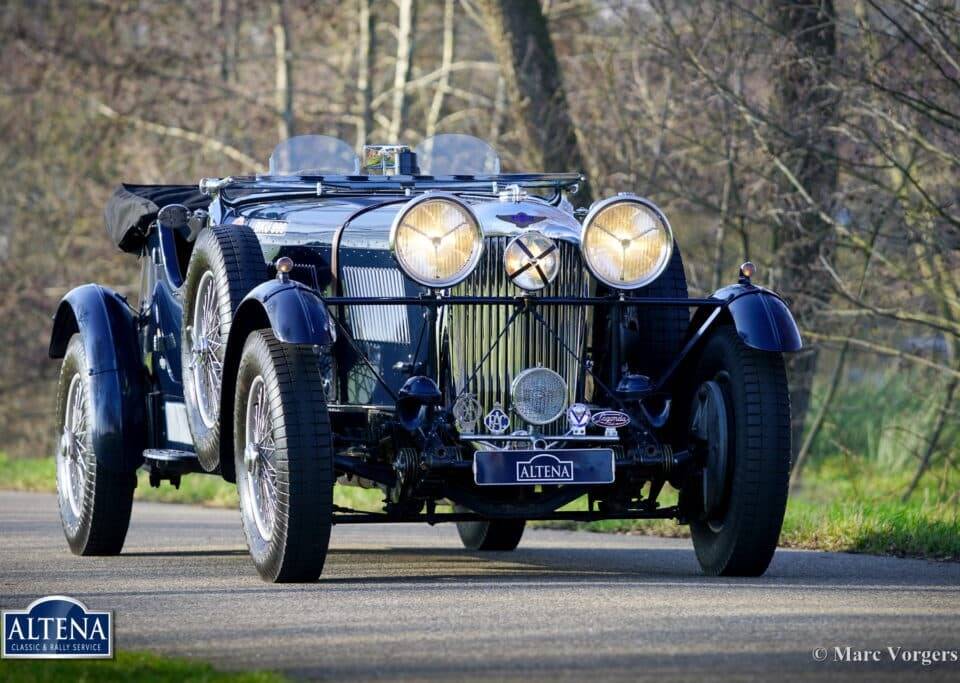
(388, 324)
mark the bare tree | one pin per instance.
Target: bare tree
(807, 104)
(443, 85)
(283, 88)
(406, 11)
(521, 40)
(365, 52)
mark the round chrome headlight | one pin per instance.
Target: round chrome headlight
(531, 260)
(437, 240)
(539, 395)
(626, 242)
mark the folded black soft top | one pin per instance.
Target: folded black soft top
(132, 208)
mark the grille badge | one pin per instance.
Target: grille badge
(467, 411)
(521, 220)
(497, 421)
(578, 417)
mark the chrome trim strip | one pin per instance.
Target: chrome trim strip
(493, 438)
(351, 408)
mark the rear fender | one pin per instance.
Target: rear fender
(117, 383)
(296, 315)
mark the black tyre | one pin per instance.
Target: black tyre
(740, 429)
(499, 534)
(94, 502)
(654, 336)
(650, 337)
(225, 265)
(283, 458)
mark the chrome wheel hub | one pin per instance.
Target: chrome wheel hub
(205, 360)
(72, 451)
(259, 460)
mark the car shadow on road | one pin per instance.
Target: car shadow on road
(229, 552)
(796, 568)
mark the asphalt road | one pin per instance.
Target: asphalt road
(407, 602)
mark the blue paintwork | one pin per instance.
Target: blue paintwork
(117, 387)
(310, 225)
(170, 263)
(159, 335)
(296, 312)
(762, 318)
(413, 400)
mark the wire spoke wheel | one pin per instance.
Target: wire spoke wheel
(94, 499)
(72, 451)
(207, 341)
(260, 471)
(283, 457)
(226, 263)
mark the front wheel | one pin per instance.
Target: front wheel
(740, 431)
(95, 502)
(284, 458)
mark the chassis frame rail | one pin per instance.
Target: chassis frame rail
(353, 517)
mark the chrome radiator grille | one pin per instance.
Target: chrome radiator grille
(472, 330)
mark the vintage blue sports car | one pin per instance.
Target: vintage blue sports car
(419, 323)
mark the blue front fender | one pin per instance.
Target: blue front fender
(117, 384)
(761, 318)
(296, 315)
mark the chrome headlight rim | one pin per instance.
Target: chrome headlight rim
(624, 198)
(546, 277)
(475, 257)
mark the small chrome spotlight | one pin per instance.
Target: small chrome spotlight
(539, 395)
(532, 260)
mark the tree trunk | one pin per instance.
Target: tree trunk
(401, 75)
(283, 86)
(806, 105)
(364, 72)
(521, 41)
(436, 106)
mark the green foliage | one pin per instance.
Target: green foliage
(128, 666)
(39, 474)
(878, 415)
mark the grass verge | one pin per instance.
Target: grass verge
(39, 474)
(844, 505)
(128, 666)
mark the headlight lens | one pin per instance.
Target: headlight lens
(437, 240)
(626, 242)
